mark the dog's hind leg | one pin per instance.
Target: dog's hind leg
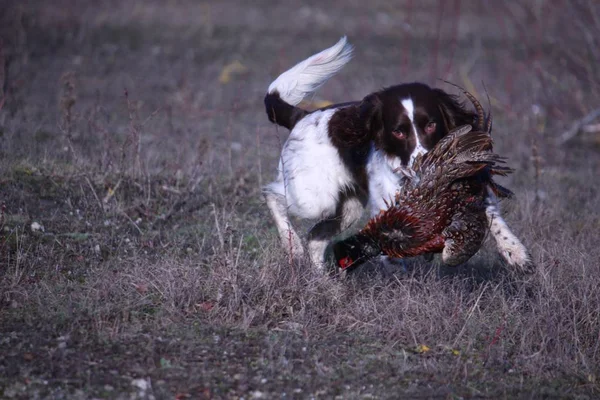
(348, 211)
(290, 240)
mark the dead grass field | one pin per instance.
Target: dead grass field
(137, 259)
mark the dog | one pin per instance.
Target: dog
(339, 160)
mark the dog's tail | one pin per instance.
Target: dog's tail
(301, 80)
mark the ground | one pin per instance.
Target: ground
(138, 259)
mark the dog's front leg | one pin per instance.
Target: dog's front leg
(319, 237)
(509, 246)
(349, 210)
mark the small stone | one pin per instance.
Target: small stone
(141, 384)
(37, 227)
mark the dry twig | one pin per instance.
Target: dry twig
(577, 126)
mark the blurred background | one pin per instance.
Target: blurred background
(195, 73)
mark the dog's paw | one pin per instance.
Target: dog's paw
(527, 268)
(519, 259)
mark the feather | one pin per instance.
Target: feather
(442, 206)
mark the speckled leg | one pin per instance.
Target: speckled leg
(463, 238)
(510, 247)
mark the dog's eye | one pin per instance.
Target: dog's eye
(399, 132)
(430, 127)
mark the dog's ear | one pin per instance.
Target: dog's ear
(454, 112)
(371, 114)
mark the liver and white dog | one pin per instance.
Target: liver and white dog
(340, 159)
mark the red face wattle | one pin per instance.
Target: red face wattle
(345, 262)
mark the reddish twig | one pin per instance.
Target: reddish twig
(436, 48)
(454, 36)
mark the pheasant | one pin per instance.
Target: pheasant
(441, 206)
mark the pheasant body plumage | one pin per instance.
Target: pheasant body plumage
(439, 209)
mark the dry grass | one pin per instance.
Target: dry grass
(158, 260)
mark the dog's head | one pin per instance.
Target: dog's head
(409, 119)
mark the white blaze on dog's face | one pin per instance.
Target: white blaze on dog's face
(409, 107)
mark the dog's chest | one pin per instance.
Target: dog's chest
(383, 180)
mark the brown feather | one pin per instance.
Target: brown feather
(481, 125)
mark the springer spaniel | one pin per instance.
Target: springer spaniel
(340, 159)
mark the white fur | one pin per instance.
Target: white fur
(311, 173)
(419, 149)
(290, 240)
(383, 180)
(509, 246)
(307, 76)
